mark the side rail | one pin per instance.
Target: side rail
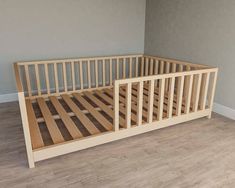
(43, 78)
(149, 100)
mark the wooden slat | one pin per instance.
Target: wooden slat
(65, 77)
(150, 101)
(97, 115)
(133, 106)
(179, 94)
(197, 92)
(52, 127)
(17, 77)
(142, 67)
(73, 76)
(124, 68)
(170, 97)
(96, 74)
(103, 72)
(161, 98)
(103, 106)
(56, 78)
(91, 128)
(47, 79)
(81, 74)
(116, 106)
(36, 137)
(136, 67)
(204, 89)
(161, 71)
(140, 104)
(110, 72)
(68, 122)
(212, 92)
(117, 68)
(128, 106)
(156, 67)
(146, 66)
(89, 73)
(166, 72)
(26, 68)
(110, 101)
(173, 68)
(37, 80)
(188, 94)
(151, 67)
(130, 67)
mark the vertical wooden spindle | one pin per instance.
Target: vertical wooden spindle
(56, 78)
(161, 99)
(26, 68)
(140, 103)
(136, 67)
(89, 73)
(37, 79)
(81, 74)
(65, 77)
(212, 92)
(142, 66)
(110, 72)
(197, 91)
(170, 97)
(146, 66)
(47, 78)
(73, 76)
(180, 89)
(156, 67)
(103, 66)
(96, 74)
(150, 101)
(116, 106)
(130, 67)
(188, 94)
(117, 68)
(128, 105)
(124, 68)
(204, 89)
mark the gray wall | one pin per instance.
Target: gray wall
(42, 29)
(200, 31)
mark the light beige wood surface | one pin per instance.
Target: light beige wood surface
(83, 111)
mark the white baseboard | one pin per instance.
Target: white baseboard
(8, 97)
(224, 110)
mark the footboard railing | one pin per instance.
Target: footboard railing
(153, 101)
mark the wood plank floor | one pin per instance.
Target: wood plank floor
(199, 153)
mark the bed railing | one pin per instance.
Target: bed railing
(184, 92)
(44, 78)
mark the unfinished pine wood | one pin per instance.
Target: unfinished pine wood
(68, 122)
(110, 101)
(56, 78)
(103, 106)
(81, 74)
(97, 115)
(153, 100)
(52, 127)
(28, 83)
(65, 76)
(80, 115)
(36, 137)
(37, 80)
(150, 101)
(128, 106)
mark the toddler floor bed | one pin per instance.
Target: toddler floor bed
(72, 104)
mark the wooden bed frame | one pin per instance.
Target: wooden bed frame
(72, 104)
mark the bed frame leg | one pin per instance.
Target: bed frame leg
(26, 131)
(209, 116)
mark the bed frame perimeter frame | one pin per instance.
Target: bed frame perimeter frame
(195, 82)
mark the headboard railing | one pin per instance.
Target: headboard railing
(54, 77)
